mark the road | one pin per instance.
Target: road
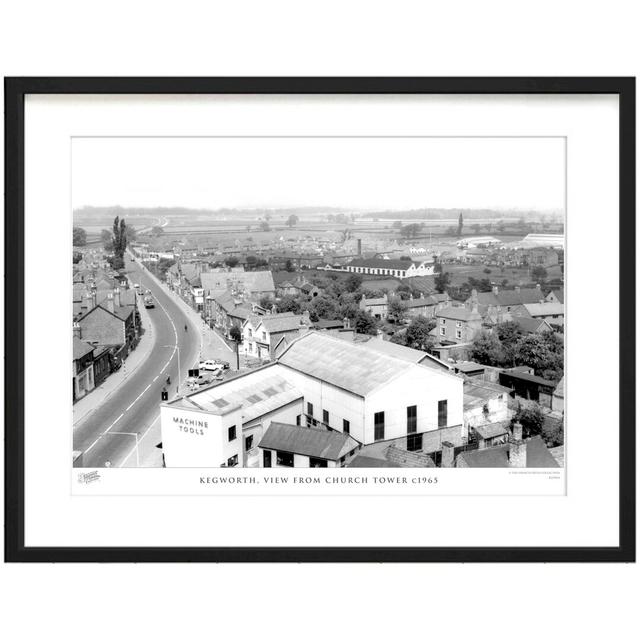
(108, 435)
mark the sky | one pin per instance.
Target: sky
(354, 173)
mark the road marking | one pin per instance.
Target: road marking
(138, 443)
(103, 433)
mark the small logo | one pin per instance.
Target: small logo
(88, 477)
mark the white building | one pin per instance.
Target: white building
(553, 240)
(392, 268)
(317, 381)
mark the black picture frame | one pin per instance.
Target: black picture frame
(15, 91)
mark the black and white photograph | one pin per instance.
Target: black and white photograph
(318, 301)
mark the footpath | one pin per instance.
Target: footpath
(84, 407)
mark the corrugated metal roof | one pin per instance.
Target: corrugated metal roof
(307, 441)
(348, 365)
(258, 392)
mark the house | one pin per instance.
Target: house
(259, 338)
(555, 295)
(532, 325)
(516, 453)
(287, 288)
(551, 312)
(290, 445)
(377, 307)
(543, 257)
(391, 268)
(505, 301)
(457, 324)
(82, 368)
(322, 382)
(424, 306)
(109, 324)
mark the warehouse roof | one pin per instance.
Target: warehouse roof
(277, 322)
(348, 365)
(258, 392)
(404, 353)
(307, 441)
(381, 263)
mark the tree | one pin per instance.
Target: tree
(442, 281)
(157, 231)
(365, 323)
(509, 333)
(288, 266)
(264, 226)
(118, 242)
(323, 307)
(397, 225)
(543, 353)
(292, 220)
(460, 225)
(396, 310)
(531, 418)
(266, 302)
(539, 274)
(235, 334)
(486, 349)
(288, 303)
(418, 333)
(231, 261)
(163, 265)
(79, 237)
(411, 230)
(107, 240)
(353, 282)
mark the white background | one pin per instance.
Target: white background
(334, 38)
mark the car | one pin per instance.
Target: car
(223, 363)
(210, 365)
(149, 302)
(204, 379)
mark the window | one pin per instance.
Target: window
(266, 458)
(298, 420)
(378, 425)
(284, 459)
(264, 335)
(232, 461)
(412, 419)
(317, 462)
(250, 333)
(458, 323)
(232, 433)
(443, 321)
(443, 331)
(325, 416)
(458, 334)
(346, 426)
(414, 442)
(248, 443)
(309, 409)
(442, 413)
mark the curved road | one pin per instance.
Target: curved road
(108, 434)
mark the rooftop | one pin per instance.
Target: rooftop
(538, 456)
(348, 365)
(279, 322)
(545, 309)
(399, 351)
(458, 313)
(380, 263)
(307, 441)
(258, 392)
(81, 348)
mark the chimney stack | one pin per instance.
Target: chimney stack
(77, 330)
(116, 297)
(88, 301)
(448, 455)
(517, 448)
(110, 306)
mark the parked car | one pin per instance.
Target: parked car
(149, 302)
(223, 363)
(210, 365)
(204, 378)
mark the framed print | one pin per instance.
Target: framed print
(320, 319)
